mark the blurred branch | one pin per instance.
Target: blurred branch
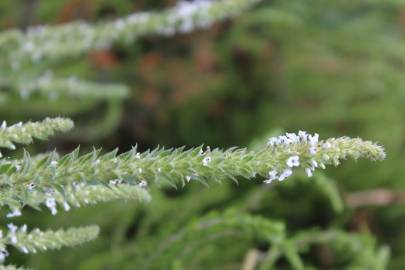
(251, 259)
(374, 197)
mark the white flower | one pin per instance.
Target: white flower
(115, 182)
(96, 162)
(188, 178)
(66, 206)
(51, 204)
(327, 145)
(314, 164)
(284, 140)
(313, 139)
(312, 150)
(3, 255)
(23, 228)
(119, 24)
(268, 181)
(53, 163)
(286, 173)
(184, 11)
(142, 184)
(14, 213)
(322, 166)
(308, 171)
(12, 228)
(293, 161)
(293, 137)
(24, 249)
(31, 186)
(206, 161)
(273, 141)
(28, 46)
(273, 174)
(272, 177)
(303, 135)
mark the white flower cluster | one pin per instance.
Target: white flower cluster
(292, 138)
(11, 237)
(308, 141)
(184, 17)
(51, 203)
(273, 175)
(185, 11)
(15, 213)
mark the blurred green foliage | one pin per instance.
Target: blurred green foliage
(333, 67)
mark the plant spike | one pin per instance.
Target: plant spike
(53, 87)
(31, 182)
(56, 42)
(36, 240)
(85, 194)
(363, 249)
(210, 228)
(24, 133)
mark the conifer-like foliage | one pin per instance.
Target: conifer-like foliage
(54, 182)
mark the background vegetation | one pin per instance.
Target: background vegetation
(333, 67)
